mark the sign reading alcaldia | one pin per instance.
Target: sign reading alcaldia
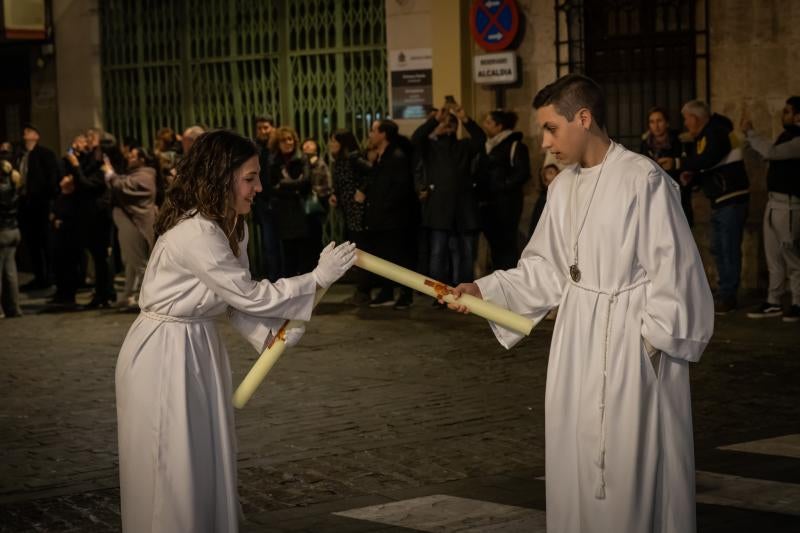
(495, 68)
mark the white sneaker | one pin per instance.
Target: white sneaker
(766, 310)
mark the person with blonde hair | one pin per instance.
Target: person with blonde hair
(290, 182)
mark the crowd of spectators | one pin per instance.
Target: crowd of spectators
(87, 215)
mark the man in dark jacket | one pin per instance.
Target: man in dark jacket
(782, 215)
(267, 263)
(503, 167)
(93, 198)
(450, 206)
(39, 169)
(67, 240)
(717, 168)
(387, 192)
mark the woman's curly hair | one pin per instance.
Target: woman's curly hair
(204, 184)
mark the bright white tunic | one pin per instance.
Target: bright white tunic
(177, 447)
(618, 426)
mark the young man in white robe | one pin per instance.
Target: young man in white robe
(614, 252)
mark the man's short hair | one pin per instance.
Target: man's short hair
(30, 126)
(571, 93)
(697, 108)
(794, 101)
(268, 120)
(389, 128)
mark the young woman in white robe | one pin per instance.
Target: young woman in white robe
(618, 423)
(177, 447)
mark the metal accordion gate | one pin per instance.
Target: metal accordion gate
(315, 65)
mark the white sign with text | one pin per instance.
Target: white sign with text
(495, 68)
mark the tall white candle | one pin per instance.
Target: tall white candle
(266, 361)
(418, 282)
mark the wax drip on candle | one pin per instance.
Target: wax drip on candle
(441, 289)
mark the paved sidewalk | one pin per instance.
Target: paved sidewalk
(420, 409)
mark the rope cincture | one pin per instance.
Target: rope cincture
(600, 490)
(183, 319)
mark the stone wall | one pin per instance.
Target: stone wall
(44, 108)
(755, 49)
(77, 45)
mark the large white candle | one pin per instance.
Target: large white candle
(267, 360)
(418, 282)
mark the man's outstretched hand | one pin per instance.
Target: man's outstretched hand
(464, 288)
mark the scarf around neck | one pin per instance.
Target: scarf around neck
(497, 139)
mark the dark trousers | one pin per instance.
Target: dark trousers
(96, 232)
(271, 265)
(9, 284)
(67, 265)
(452, 256)
(396, 246)
(34, 225)
(364, 280)
(297, 257)
(502, 237)
(727, 228)
(314, 223)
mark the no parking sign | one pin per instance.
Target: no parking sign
(494, 23)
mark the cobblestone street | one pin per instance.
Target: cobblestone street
(415, 408)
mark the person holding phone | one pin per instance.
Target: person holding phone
(449, 204)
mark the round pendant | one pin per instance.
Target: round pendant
(575, 273)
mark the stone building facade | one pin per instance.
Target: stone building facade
(753, 48)
(750, 51)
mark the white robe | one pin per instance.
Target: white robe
(177, 446)
(619, 449)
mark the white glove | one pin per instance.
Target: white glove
(333, 263)
(291, 336)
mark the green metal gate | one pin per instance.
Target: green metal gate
(312, 64)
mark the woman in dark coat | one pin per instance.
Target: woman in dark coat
(662, 144)
(291, 184)
(347, 167)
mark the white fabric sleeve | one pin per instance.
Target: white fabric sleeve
(258, 330)
(678, 317)
(210, 258)
(772, 152)
(535, 286)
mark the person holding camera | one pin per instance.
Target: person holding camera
(449, 198)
